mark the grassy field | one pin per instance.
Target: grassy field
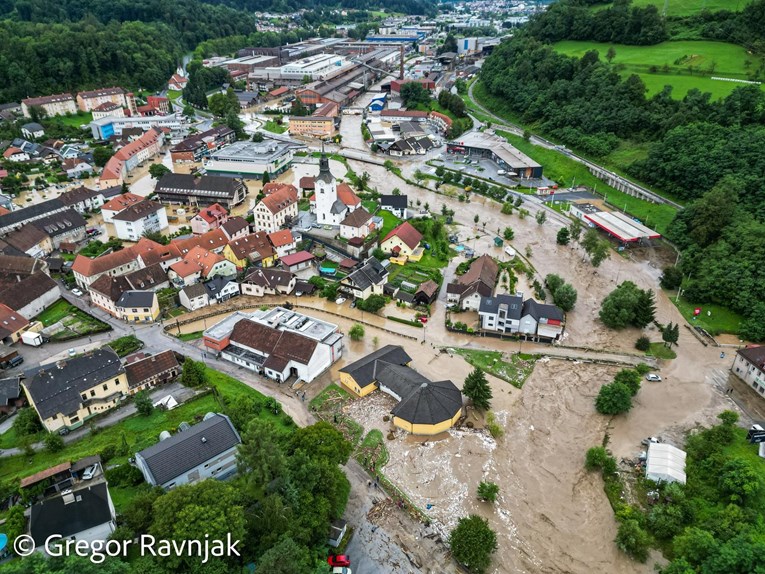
(274, 127)
(389, 222)
(140, 432)
(515, 371)
(682, 64)
(174, 94)
(565, 171)
(56, 312)
(74, 121)
(689, 7)
(661, 351)
(720, 320)
(191, 336)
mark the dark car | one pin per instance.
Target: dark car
(339, 560)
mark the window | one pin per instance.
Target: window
(92, 393)
(116, 381)
(84, 397)
(106, 386)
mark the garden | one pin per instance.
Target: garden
(75, 323)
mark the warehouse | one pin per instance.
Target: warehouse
(499, 151)
(250, 159)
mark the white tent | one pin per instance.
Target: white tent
(665, 463)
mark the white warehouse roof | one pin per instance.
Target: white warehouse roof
(665, 463)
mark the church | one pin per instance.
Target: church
(331, 202)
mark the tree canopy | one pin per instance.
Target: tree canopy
(473, 542)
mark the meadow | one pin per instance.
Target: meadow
(690, 7)
(684, 65)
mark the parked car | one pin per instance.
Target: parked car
(72, 352)
(341, 570)
(339, 561)
(423, 320)
(653, 377)
(340, 300)
(90, 472)
(76, 292)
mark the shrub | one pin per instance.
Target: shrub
(27, 422)
(633, 540)
(124, 475)
(356, 332)
(488, 491)
(643, 344)
(613, 399)
(108, 453)
(472, 543)
(54, 443)
(494, 428)
(630, 378)
(596, 458)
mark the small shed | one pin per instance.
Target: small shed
(498, 242)
(665, 463)
(337, 531)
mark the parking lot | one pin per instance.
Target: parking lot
(487, 169)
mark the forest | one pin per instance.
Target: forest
(707, 153)
(425, 7)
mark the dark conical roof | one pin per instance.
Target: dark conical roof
(324, 174)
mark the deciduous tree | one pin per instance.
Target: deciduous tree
(472, 543)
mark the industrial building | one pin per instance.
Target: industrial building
(251, 160)
(318, 67)
(497, 149)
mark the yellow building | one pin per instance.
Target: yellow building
(67, 393)
(424, 408)
(253, 248)
(315, 126)
(138, 307)
(402, 240)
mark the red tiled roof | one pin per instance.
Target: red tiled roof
(215, 239)
(88, 267)
(406, 233)
(307, 182)
(403, 114)
(47, 473)
(213, 212)
(121, 202)
(244, 247)
(274, 186)
(280, 200)
(280, 238)
(295, 258)
(347, 195)
(11, 151)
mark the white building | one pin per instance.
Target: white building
(749, 366)
(273, 211)
(133, 222)
(329, 207)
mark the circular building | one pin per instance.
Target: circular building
(431, 408)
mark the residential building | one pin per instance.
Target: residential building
(32, 295)
(358, 223)
(15, 268)
(86, 515)
(369, 279)
(214, 241)
(187, 189)
(235, 228)
(220, 289)
(11, 397)
(252, 249)
(12, 324)
(107, 290)
(83, 199)
(146, 216)
(331, 202)
(20, 217)
(73, 390)
(177, 82)
(31, 240)
(198, 146)
(396, 204)
(466, 291)
(426, 293)
(268, 282)
(32, 131)
(297, 261)
(200, 265)
(62, 226)
(283, 241)
(108, 109)
(276, 210)
(151, 371)
(148, 253)
(15, 154)
(510, 314)
(138, 306)
(56, 105)
(401, 240)
(88, 101)
(130, 157)
(77, 168)
(424, 407)
(209, 218)
(87, 270)
(108, 127)
(205, 450)
(251, 159)
(194, 297)
(312, 126)
(119, 203)
(749, 366)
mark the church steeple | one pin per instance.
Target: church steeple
(324, 173)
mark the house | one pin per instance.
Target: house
(148, 253)
(424, 407)
(11, 397)
(235, 228)
(83, 199)
(401, 240)
(251, 249)
(268, 282)
(396, 204)
(32, 295)
(220, 289)
(71, 391)
(331, 202)
(205, 450)
(467, 290)
(198, 146)
(138, 306)
(177, 82)
(297, 261)
(56, 105)
(19, 217)
(369, 279)
(187, 189)
(108, 109)
(283, 242)
(510, 314)
(358, 223)
(63, 226)
(426, 293)
(88, 101)
(749, 366)
(15, 154)
(118, 204)
(144, 217)
(274, 186)
(209, 218)
(76, 168)
(194, 297)
(312, 126)
(304, 288)
(152, 371)
(86, 515)
(214, 241)
(276, 210)
(15, 268)
(541, 320)
(12, 324)
(199, 264)
(87, 270)
(131, 156)
(31, 240)
(32, 131)
(107, 290)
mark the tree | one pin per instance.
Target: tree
(645, 309)
(101, 155)
(671, 278)
(414, 94)
(488, 491)
(15, 524)
(613, 399)
(372, 304)
(630, 378)
(633, 540)
(157, 170)
(740, 480)
(753, 328)
(440, 171)
(563, 237)
(508, 234)
(554, 282)
(356, 332)
(477, 389)
(611, 54)
(27, 422)
(286, 557)
(476, 218)
(565, 297)
(261, 456)
(257, 137)
(323, 441)
(472, 543)
(143, 403)
(54, 443)
(397, 191)
(507, 208)
(575, 229)
(541, 216)
(194, 373)
(189, 111)
(618, 309)
(595, 458)
(643, 343)
(668, 334)
(235, 123)
(449, 45)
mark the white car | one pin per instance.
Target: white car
(72, 352)
(76, 292)
(90, 472)
(340, 300)
(653, 377)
